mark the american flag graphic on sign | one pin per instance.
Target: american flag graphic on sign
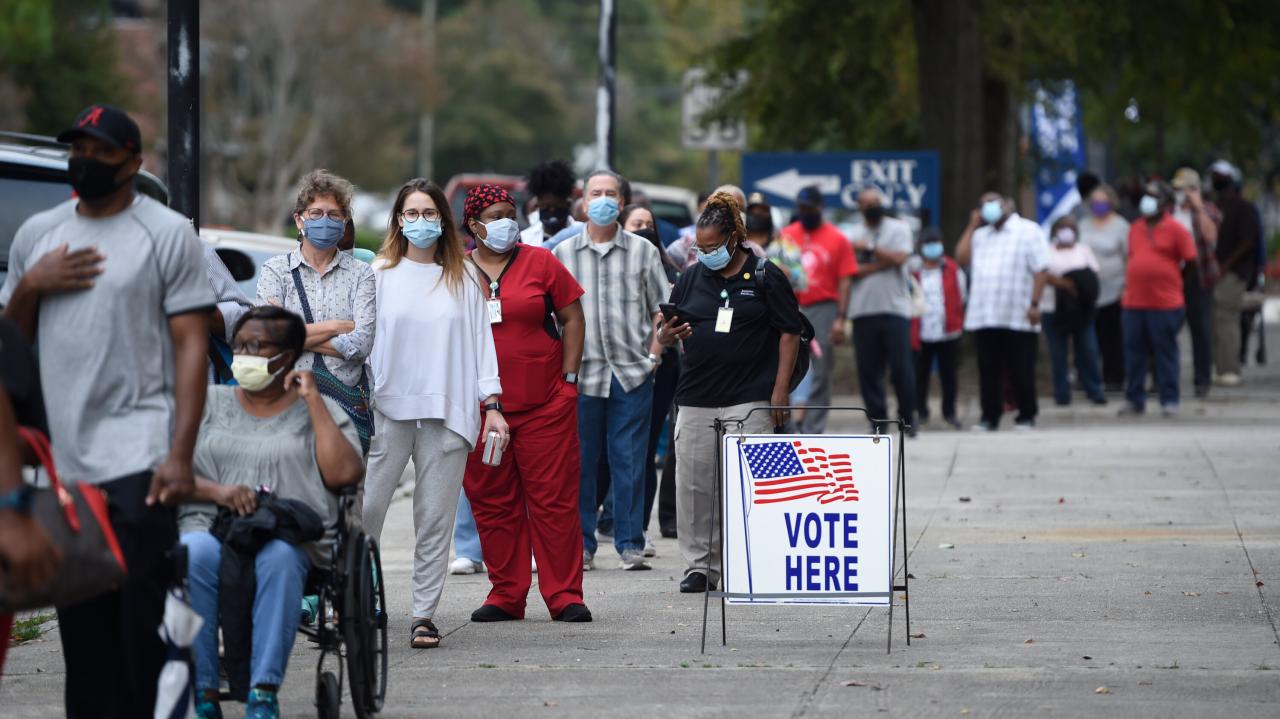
(787, 471)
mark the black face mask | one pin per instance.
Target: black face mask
(649, 234)
(1221, 183)
(759, 224)
(554, 220)
(811, 220)
(872, 215)
(93, 179)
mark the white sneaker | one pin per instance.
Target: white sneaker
(1169, 411)
(588, 561)
(1230, 379)
(650, 551)
(462, 565)
(633, 560)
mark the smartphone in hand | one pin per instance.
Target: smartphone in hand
(668, 311)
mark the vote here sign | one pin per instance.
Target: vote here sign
(807, 518)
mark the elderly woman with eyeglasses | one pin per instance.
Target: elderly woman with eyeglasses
(332, 291)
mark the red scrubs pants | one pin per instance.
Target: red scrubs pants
(529, 504)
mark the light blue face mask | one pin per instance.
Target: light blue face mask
(323, 233)
(717, 259)
(603, 210)
(931, 250)
(422, 232)
(992, 211)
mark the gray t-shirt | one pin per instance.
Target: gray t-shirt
(279, 453)
(106, 353)
(887, 292)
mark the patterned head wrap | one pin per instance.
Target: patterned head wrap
(481, 198)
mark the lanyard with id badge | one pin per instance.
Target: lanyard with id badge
(494, 305)
(724, 315)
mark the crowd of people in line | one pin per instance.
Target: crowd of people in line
(530, 375)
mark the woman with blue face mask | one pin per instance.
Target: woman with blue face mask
(436, 387)
(740, 324)
(332, 291)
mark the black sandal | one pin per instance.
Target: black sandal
(424, 635)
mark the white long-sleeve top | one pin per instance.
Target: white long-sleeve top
(433, 354)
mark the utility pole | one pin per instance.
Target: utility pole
(427, 120)
(606, 93)
(184, 107)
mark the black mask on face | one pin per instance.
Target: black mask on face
(649, 234)
(811, 220)
(873, 215)
(1221, 183)
(759, 224)
(554, 219)
(93, 179)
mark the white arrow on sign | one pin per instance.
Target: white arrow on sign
(789, 183)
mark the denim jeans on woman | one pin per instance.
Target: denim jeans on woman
(1084, 342)
(281, 570)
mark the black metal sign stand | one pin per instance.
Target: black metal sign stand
(899, 532)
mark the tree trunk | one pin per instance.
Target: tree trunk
(949, 53)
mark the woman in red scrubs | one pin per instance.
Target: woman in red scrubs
(529, 501)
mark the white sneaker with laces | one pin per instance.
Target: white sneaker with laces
(633, 560)
(650, 550)
(462, 565)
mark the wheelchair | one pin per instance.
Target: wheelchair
(351, 620)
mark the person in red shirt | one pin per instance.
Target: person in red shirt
(830, 266)
(1153, 302)
(529, 501)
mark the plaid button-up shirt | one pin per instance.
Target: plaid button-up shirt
(624, 282)
(1002, 274)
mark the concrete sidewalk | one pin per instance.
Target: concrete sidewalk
(1141, 557)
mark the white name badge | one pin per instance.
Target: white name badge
(724, 319)
(495, 311)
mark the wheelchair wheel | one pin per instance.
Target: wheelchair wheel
(328, 699)
(364, 626)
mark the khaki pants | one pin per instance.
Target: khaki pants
(697, 517)
(1228, 296)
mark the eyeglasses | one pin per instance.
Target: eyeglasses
(252, 347)
(315, 213)
(413, 215)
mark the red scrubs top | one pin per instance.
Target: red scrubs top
(530, 351)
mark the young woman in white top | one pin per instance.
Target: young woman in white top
(434, 367)
(1107, 233)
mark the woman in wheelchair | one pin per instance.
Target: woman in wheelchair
(277, 432)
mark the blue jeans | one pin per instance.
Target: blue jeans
(621, 421)
(1148, 333)
(281, 570)
(1085, 340)
(466, 540)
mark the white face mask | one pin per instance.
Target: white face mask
(501, 235)
(1065, 237)
(251, 371)
(1149, 206)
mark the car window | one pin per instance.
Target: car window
(673, 212)
(21, 196)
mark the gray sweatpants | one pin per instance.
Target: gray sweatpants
(822, 316)
(697, 524)
(1228, 297)
(439, 459)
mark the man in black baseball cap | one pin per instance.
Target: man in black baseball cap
(106, 152)
(117, 287)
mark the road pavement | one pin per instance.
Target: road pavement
(1092, 567)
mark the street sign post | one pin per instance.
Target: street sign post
(699, 99)
(909, 179)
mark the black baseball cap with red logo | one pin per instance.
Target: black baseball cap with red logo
(107, 123)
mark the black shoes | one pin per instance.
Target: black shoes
(490, 613)
(696, 583)
(574, 613)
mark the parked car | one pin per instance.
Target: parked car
(33, 178)
(244, 252)
(456, 191)
(676, 205)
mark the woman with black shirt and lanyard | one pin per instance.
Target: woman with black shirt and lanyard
(740, 333)
(529, 501)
